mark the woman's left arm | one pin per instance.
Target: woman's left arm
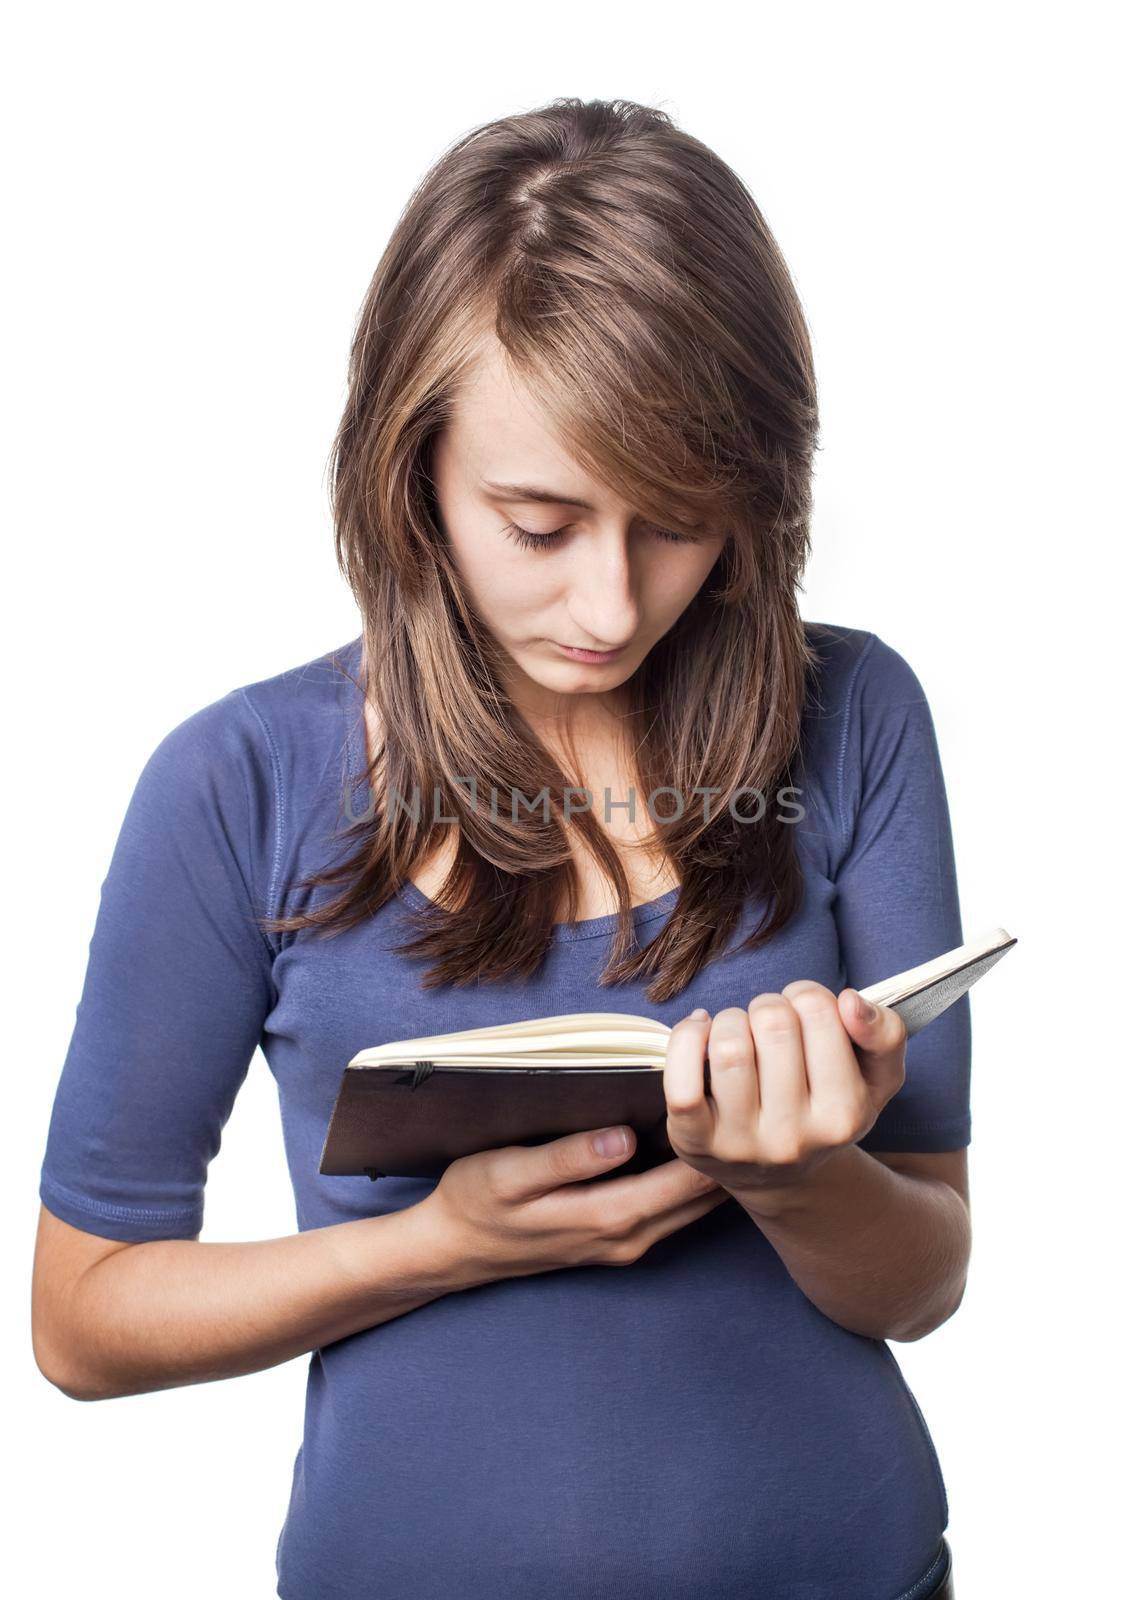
(879, 1243)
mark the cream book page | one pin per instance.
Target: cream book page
(617, 1038)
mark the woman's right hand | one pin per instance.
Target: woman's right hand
(523, 1209)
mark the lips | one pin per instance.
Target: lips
(581, 653)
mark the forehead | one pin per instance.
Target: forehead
(499, 430)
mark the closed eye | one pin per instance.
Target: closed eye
(544, 541)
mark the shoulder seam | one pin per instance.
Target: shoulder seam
(279, 812)
(843, 750)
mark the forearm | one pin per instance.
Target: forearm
(170, 1312)
(883, 1253)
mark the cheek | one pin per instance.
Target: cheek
(503, 588)
(679, 581)
(475, 559)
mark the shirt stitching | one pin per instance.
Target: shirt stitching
(279, 814)
(922, 1586)
(888, 1125)
(843, 750)
(98, 1208)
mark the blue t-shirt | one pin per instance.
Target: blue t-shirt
(689, 1425)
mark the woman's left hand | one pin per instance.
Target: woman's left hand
(794, 1079)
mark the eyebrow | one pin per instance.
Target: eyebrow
(529, 491)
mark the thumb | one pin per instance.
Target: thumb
(880, 1036)
(534, 1169)
(605, 1144)
(576, 1156)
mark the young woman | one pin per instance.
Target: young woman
(572, 495)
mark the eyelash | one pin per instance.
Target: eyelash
(541, 541)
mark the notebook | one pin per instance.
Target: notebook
(409, 1107)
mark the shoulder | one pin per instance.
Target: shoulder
(301, 705)
(854, 670)
(241, 765)
(242, 783)
(260, 725)
(864, 706)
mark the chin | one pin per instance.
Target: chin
(574, 677)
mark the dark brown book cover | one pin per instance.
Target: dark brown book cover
(412, 1121)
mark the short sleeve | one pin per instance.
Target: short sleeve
(897, 902)
(177, 988)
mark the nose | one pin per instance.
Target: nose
(603, 601)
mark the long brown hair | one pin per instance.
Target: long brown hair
(636, 289)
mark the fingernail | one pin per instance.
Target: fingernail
(701, 1012)
(610, 1142)
(867, 1012)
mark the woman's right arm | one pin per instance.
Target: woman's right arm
(111, 1318)
(179, 984)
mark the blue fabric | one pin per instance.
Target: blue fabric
(689, 1425)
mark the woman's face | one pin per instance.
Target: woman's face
(606, 581)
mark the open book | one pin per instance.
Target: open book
(409, 1107)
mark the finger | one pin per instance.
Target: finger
(833, 1073)
(781, 1067)
(684, 1079)
(734, 1089)
(672, 1221)
(526, 1170)
(881, 1039)
(662, 1188)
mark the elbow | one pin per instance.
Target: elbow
(921, 1327)
(947, 1296)
(65, 1374)
(75, 1391)
(78, 1388)
(70, 1383)
(68, 1344)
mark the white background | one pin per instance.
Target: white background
(196, 199)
